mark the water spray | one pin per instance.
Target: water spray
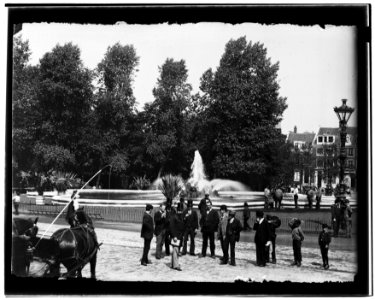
(74, 196)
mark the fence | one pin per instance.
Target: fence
(312, 220)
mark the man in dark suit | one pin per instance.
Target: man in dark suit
(147, 233)
(262, 238)
(203, 209)
(191, 225)
(160, 224)
(233, 230)
(210, 226)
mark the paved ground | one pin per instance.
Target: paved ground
(119, 257)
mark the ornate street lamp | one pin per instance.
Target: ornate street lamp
(343, 113)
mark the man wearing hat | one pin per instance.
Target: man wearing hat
(233, 230)
(246, 216)
(203, 209)
(324, 241)
(147, 233)
(210, 226)
(191, 225)
(221, 234)
(262, 238)
(160, 219)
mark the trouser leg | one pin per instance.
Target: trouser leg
(274, 249)
(212, 243)
(146, 248)
(232, 243)
(192, 241)
(175, 263)
(225, 250)
(159, 243)
(204, 243)
(167, 242)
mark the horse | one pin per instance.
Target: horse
(24, 231)
(75, 248)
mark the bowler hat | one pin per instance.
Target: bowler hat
(324, 226)
(259, 214)
(149, 207)
(245, 204)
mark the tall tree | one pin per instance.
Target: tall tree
(115, 112)
(24, 109)
(65, 101)
(166, 130)
(242, 108)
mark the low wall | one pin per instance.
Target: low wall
(312, 219)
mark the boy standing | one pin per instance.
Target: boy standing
(324, 240)
(147, 233)
(298, 237)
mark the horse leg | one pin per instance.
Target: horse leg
(93, 266)
(79, 273)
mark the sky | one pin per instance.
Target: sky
(317, 67)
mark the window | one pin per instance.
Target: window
(330, 139)
(319, 163)
(319, 151)
(350, 163)
(325, 139)
(320, 139)
(350, 151)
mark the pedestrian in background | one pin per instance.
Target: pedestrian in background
(267, 194)
(147, 233)
(233, 230)
(310, 197)
(221, 234)
(348, 219)
(262, 238)
(246, 216)
(324, 241)
(278, 197)
(191, 226)
(177, 232)
(296, 197)
(336, 215)
(16, 201)
(160, 219)
(167, 238)
(318, 198)
(297, 237)
(210, 226)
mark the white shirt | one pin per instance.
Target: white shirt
(295, 191)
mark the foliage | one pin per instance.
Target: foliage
(141, 183)
(241, 109)
(166, 128)
(171, 186)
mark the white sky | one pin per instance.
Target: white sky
(317, 66)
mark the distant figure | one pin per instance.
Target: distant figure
(274, 223)
(262, 238)
(310, 197)
(209, 227)
(221, 234)
(297, 237)
(324, 241)
(177, 232)
(191, 226)
(16, 202)
(147, 233)
(318, 198)
(233, 230)
(182, 201)
(160, 219)
(267, 194)
(296, 197)
(278, 197)
(246, 216)
(167, 239)
(337, 215)
(348, 219)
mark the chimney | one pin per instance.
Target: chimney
(295, 129)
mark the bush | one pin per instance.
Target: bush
(171, 186)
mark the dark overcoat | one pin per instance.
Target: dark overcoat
(147, 230)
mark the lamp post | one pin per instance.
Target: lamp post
(343, 113)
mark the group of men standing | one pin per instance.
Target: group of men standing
(175, 225)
